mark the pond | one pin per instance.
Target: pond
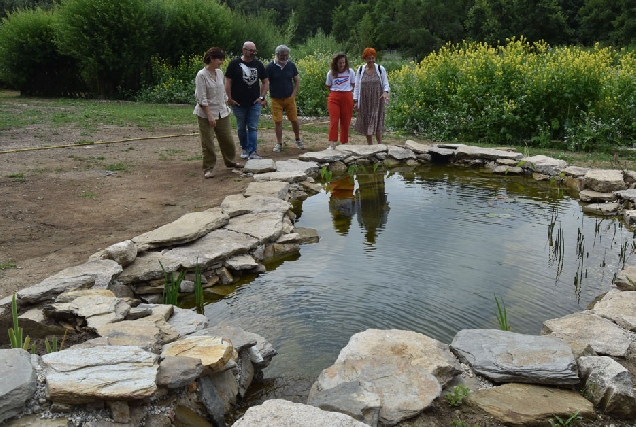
(427, 250)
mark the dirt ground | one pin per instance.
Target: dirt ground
(60, 205)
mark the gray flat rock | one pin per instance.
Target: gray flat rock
(619, 307)
(238, 204)
(18, 382)
(266, 227)
(472, 152)
(503, 356)
(187, 228)
(627, 195)
(260, 166)
(604, 180)
(544, 165)
(417, 147)
(298, 166)
(605, 209)
(587, 328)
(217, 246)
(146, 267)
(276, 189)
(280, 176)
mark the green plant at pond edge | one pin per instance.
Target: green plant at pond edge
(171, 286)
(16, 333)
(52, 346)
(572, 421)
(325, 174)
(354, 169)
(502, 315)
(457, 395)
(198, 288)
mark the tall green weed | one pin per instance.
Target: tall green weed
(561, 97)
(171, 85)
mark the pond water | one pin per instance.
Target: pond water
(426, 250)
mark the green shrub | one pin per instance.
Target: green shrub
(110, 39)
(182, 28)
(29, 60)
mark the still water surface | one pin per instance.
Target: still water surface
(426, 250)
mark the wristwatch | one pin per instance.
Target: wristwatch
(261, 98)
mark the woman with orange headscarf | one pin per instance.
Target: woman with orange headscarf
(370, 95)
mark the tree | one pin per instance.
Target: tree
(109, 38)
(29, 60)
(418, 27)
(597, 17)
(186, 27)
(494, 21)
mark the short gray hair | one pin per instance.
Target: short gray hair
(281, 49)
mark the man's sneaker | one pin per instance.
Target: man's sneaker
(254, 156)
(331, 147)
(277, 148)
(244, 154)
(300, 144)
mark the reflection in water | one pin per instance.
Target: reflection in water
(372, 207)
(369, 203)
(341, 204)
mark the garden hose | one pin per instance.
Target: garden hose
(17, 150)
(48, 147)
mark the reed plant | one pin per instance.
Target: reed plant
(198, 289)
(502, 315)
(171, 286)
(16, 334)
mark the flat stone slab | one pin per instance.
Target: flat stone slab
(97, 273)
(361, 150)
(586, 328)
(102, 373)
(503, 356)
(276, 189)
(472, 152)
(216, 246)
(325, 156)
(187, 228)
(400, 153)
(146, 267)
(604, 180)
(619, 307)
(627, 195)
(281, 176)
(238, 204)
(259, 166)
(544, 164)
(298, 166)
(594, 196)
(266, 227)
(282, 413)
(575, 171)
(605, 209)
(417, 147)
(214, 352)
(530, 405)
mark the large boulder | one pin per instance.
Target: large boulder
(18, 382)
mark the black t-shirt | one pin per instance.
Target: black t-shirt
(245, 80)
(281, 80)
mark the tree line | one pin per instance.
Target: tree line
(106, 47)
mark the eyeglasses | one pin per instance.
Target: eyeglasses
(250, 50)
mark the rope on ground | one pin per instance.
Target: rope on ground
(82, 144)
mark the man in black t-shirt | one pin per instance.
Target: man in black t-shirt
(246, 96)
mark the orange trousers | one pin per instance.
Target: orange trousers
(340, 106)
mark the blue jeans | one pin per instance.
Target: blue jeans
(246, 125)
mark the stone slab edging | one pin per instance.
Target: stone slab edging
(235, 238)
